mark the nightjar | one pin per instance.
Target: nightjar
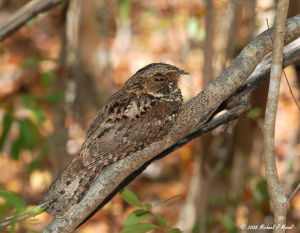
(137, 115)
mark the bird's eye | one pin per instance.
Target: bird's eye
(159, 79)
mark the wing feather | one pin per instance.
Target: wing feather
(116, 132)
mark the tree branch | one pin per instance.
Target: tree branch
(278, 198)
(294, 193)
(291, 55)
(194, 114)
(261, 73)
(13, 22)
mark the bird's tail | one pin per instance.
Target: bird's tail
(69, 188)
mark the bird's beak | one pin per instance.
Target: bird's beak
(182, 72)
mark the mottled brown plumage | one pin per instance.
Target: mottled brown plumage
(137, 115)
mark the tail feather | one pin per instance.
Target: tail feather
(68, 190)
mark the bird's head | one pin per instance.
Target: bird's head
(156, 79)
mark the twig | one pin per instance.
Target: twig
(294, 193)
(23, 216)
(286, 79)
(291, 91)
(13, 22)
(262, 71)
(275, 190)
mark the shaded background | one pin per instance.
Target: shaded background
(58, 70)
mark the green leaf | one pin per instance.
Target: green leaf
(15, 148)
(229, 224)
(193, 29)
(20, 207)
(139, 228)
(6, 124)
(130, 198)
(13, 199)
(134, 218)
(192, 26)
(46, 78)
(210, 221)
(124, 9)
(33, 165)
(260, 193)
(45, 148)
(38, 113)
(140, 212)
(3, 209)
(175, 230)
(28, 99)
(196, 227)
(29, 134)
(161, 220)
(36, 210)
(254, 113)
(164, 23)
(33, 61)
(31, 22)
(62, 5)
(54, 97)
(148, 206)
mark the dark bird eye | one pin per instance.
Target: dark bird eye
(159, 79)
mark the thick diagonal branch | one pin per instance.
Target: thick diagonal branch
(196, 112)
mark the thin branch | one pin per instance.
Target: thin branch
(13, 22)
(286, 79)
(262, 72)
(23, 216)
(195, 113)
(291, 91)
(294, 193)
(275, 190)
(230, 115)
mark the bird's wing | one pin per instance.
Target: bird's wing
(120, 109)
(104, 145)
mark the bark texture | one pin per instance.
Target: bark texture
(27, 12)
(280, 203)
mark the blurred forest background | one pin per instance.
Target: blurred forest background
(58, 70)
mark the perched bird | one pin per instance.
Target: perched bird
(137, 115)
